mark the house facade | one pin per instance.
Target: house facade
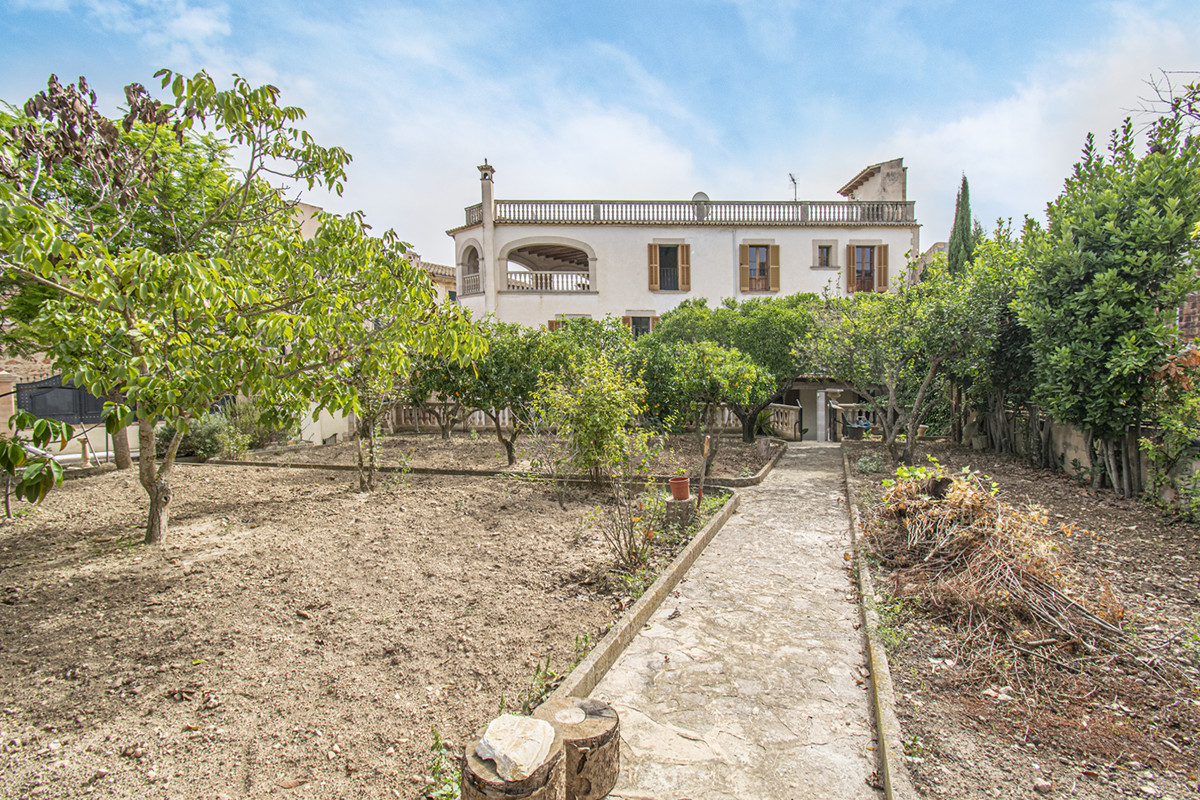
(538, 261)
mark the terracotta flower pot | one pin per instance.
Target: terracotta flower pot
(681, 488)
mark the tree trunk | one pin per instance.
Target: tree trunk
(510, 445)
(749, 427)
(1126, 472)
(155, 479)
(956, 426)
(160, 501)
(120, 439)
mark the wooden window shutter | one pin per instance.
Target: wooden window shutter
(685, 267)
(554, 324)
(881, 268)
(654, 268)
(744, 267)
(849, 268)
(774, 268)
(627, 322)
(653, 323)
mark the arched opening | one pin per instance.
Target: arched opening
(548, 268)
(470, 271)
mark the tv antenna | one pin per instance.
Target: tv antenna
(792, 178)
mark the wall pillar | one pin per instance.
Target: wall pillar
(491, 273)
(822, 415)
(8, 399)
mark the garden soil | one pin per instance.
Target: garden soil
(293, 637)
(1113, 731)
(482, 451)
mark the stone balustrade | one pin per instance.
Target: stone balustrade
(811, 213)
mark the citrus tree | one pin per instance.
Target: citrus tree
(763, 330)
(243, 303)
(896, 349)
(1109, 272)
(505, 379)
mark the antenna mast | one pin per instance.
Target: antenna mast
(792, 178)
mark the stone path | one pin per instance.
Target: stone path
(749, 681)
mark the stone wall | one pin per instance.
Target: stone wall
(25, 370)
(1189, 316)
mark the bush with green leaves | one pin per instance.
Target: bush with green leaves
(592, 404)
(202, 438)
(246, 418)
(1116, 259)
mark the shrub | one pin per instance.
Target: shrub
(202, 438)
(591, 405)
(245, 415)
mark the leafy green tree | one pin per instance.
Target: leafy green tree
(964, 234)
(438, 384)
(505, 379)
(275, 314)
(762, 330)
(1109, 272)
(896, 349)
(998, 373)
(593, 404)
(578, 335)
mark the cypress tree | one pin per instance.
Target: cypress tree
(962, 236)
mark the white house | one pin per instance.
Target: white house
(537, 261)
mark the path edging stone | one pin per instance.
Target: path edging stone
(896, 783)
(583, 679)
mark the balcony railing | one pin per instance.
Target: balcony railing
(523, 281)
(689, 212)
(471, 284)
(760, 283)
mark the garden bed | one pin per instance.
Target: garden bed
(1113, 729)
(292, 635)
(482, 452)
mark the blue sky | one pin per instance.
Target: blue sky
(655, 99)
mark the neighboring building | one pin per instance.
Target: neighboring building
(1189, 317)
(536, 261)
(936, 249)
(443, 276)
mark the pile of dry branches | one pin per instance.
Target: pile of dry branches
(991, 571)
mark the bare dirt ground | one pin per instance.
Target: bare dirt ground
(484, 452)
(1113, 731)
(292, 638)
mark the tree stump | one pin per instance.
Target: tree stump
(591, 734)
(481, 782)
(680, 512)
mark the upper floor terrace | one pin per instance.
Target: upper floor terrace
(699, 211)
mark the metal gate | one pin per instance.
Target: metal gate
(50, 399)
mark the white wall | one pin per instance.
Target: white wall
(620, 272)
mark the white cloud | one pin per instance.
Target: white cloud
(1017, 151)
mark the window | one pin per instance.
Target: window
(866, 268)
(670, 268)
(759, 267)
(640, 325)
(824, 255)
